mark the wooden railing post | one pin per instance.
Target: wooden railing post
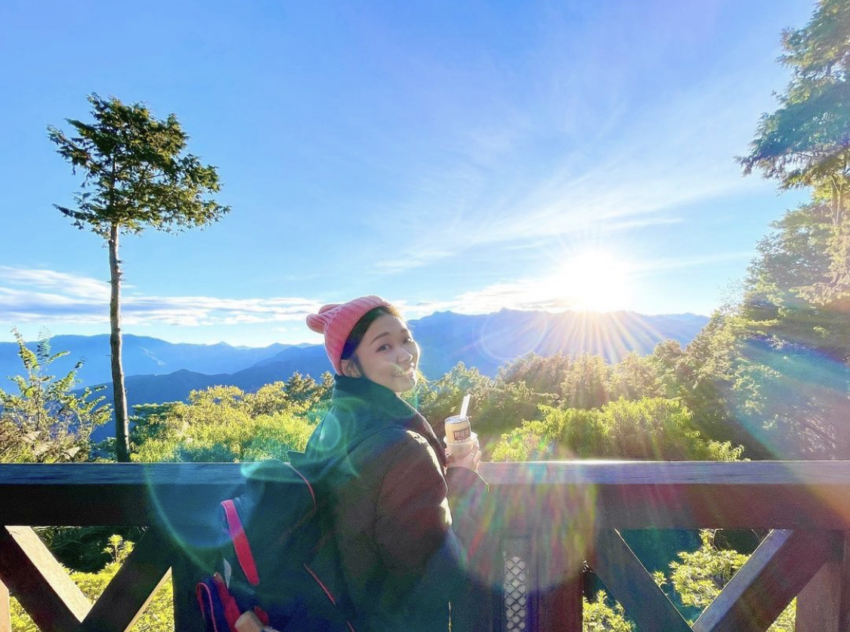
(824, 604)
(5, 609)
(558, 604)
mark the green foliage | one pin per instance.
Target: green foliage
(136, 171)
(587, 384)
(700, 575)
(496, 406)
(806, 141)
(223, 423)
(83, 548)
(649, 428)
(599, 616)
(635, 377)
(442, 398)
(541, 375)
(772, 373)
(159, 616)
(44, 422)
(507, 405)
(792, 259)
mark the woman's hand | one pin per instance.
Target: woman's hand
(471, 460)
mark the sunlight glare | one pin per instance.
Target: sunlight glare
(596, 281)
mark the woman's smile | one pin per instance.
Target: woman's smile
(388, 354)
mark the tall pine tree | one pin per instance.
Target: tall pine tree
(136, 175)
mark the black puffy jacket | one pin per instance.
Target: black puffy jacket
(393, 503)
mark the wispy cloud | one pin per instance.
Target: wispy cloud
(72, 285)
(68, 298)
(676, 263)
(558, 155)
(50, 297)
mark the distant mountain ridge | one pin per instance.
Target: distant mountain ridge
(141, 355)
(485, 342)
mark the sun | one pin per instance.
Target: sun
(596, 281)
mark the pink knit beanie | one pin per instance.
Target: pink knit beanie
(336, 321)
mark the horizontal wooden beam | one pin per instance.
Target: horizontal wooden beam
(39, 582)
(172, 495)
(622, 495)
(673, 495)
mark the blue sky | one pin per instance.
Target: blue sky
(445, 155)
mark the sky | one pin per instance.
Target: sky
(466, 156)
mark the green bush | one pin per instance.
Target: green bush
(650, 429)
(223, 423)
(45, 421)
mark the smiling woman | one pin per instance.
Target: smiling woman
(596, 281)
(398, 500)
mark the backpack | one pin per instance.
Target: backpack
(279, 567)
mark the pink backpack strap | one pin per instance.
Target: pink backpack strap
(240, 543)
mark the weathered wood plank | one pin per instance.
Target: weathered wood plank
(558, 582)
(169, 494)
(630, 584)
(637, 473)
(824, 604)
(758, 593)
(623, 495)
(5, 611)
(678, 495)
(39, 582)
(132, 588)
(559, 607)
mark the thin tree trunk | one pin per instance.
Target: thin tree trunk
(122, 424)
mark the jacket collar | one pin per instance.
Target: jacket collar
(360, 406)
(365, 398)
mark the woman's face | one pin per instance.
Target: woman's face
(388, 355)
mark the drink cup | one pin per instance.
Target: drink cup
(460, 439)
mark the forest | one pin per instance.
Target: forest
(767, 378)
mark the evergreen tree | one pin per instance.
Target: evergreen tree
(136, 175)
(806, 141)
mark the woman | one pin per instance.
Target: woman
(392, 493)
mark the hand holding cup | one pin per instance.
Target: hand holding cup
(462, 448)
(468, 456)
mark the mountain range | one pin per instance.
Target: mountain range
(159, 371)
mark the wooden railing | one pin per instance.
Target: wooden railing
(550, 519)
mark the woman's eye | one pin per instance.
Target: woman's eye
(383, 347)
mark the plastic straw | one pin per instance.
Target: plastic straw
(464, 405)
